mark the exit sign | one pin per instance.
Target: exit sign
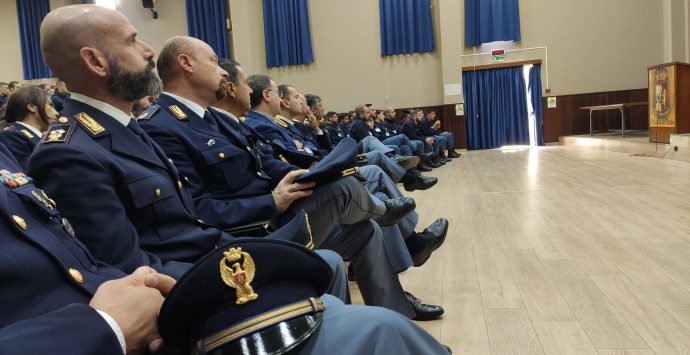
(498, 59)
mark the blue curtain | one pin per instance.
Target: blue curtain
(495, 107)
(287, 33)
(491, 20)
(30, 14)
(206, 21)
(406, 26)
(534, 88)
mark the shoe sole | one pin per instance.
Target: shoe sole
(409, 163)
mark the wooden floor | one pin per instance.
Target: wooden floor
(559, 250)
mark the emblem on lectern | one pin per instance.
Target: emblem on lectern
(662, 104)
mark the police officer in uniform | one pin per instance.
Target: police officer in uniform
(29, 112)
(60, 300)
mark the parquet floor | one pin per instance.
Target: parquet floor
(559, 250)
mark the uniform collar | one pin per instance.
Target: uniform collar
(117, 114)
(227, 113)
(31, 128)
(196, 108)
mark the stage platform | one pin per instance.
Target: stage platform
(634, 143)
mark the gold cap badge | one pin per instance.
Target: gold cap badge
(237, 270)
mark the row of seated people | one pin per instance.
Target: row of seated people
(164, 198)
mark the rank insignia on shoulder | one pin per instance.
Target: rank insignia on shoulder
(146, 115)
(89, 123)
(280, 122)
(27, 133)
(58, 133)
(178, 112)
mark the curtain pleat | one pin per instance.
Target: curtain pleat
(30, 15)
(406, 27)
(287, 32)
(491, 20)
(206, 21)
(495, 108)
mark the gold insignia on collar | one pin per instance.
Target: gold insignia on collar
(280, 122)
(237, 270)
(178, 112)
(58, 133)
(89, 123)
(310, 243)
(63, 120)
(27, 133)
(143, 115)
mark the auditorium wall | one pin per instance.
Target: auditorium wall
(594, 46)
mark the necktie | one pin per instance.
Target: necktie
(208, 117)
(133, 126)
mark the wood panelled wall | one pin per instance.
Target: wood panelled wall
(567, 118)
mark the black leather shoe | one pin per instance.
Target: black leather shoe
(407, 162)
(441, 161)
(396, 209)
(351, 273)
(419, 183)
(423, 167)
(425, 157)
(434, 164)
(435, 235)
(423, 311)
(454, 154)
(447, 348)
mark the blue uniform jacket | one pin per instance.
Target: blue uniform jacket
(390, 126)
(320, 141)
(59, 101)
(270, 130)
(336, 133)
(229, 180)
(20, 141)
(425, 127)
(125, 199)
(44, 307)
(359, 129)
(409, 128)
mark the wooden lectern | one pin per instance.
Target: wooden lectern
(669, 101)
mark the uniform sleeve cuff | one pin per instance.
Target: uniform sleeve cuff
(116, 329)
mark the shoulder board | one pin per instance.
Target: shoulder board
(58, 133)
(280, 122)
(146, 115)
(177, 111)
(27, 133)
(89, 123)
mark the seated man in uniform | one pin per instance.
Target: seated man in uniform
(124, 197)
(59, 300)
(233, 184)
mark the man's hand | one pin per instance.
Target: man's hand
(313, 122)
(437, 124)
(298, 144)
(134, 302)
(288, 190)
(429, 140)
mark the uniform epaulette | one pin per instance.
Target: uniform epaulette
(146, 115)
(89, 123)
(177, 111)
(280, 122)
(27, 133)
(59, 131)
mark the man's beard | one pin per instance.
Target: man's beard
(220, 94)
(130, 85)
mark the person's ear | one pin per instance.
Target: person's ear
(185, 62)
(32, 108)
(230, 89)
(95, 61)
